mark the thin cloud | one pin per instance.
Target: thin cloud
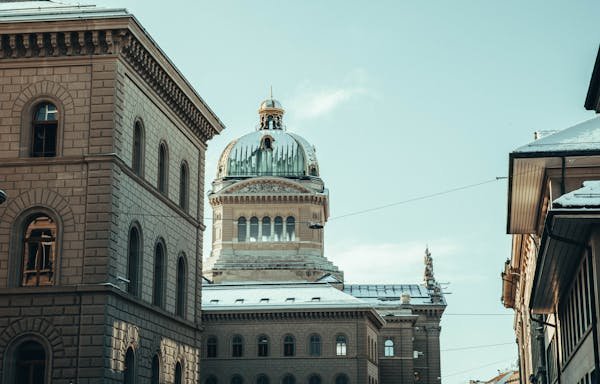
(314, 104)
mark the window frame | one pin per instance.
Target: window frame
(184, 186)
(33, 123)
(341, 347)
(312, 344)
(158, 291)
(388, 348)
(237, 346)
(242, 227)
(162, 181)
(289, 345)
(138, 152)
(212, 347)
(134, 285)
(262, 346)
(181, 286)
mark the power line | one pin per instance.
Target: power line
(475, 347)
(478, 314)
(476, 368)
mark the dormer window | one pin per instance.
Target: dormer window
(239, 301)
(267, 143)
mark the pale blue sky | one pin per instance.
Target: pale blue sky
(401, 99)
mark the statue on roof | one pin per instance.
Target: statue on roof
(428, 277)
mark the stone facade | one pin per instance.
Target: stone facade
(104, 75)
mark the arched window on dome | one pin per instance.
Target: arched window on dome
(389, 348)
(254, 228)
(278, 229)
(267, 143)
(242, 229)
(266, 228)
(290, 228)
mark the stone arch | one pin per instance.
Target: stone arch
(40, 90)
(32, 326)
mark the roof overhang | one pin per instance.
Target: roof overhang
(592, 101)
(561, 249)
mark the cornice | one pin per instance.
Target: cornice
(310, 198)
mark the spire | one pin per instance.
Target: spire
(271, 113)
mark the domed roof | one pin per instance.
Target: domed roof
(269, 151)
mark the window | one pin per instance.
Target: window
(155, 372)
(237, 379)
(266, 228)
(314, 345)
(288, 379)
(30, 363)
(133, 261)
(163, 168)
(290, 228)
(44, 130)
(39, 246)
(211, 380)
(263, 346)
(314, 379)
(242, 229)
(237, 346)
(340, 345)
(129, 369)
(137, 157)
(388, 348)
(267, 143)
(342, 379)
(159, 273)
(211, 347)
(289, 346)
(183, 186)
(254, 228)
(181, 287)
(262, 379)
(178, 373)
(278, 228)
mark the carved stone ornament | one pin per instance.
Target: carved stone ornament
(267, 188)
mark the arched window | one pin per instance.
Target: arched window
(181, 293)
(314, 379)
(315, 345)
(155, 372)
(262, 379)
(163, 168)
(211, 380)
(266, 228)
(159, 274)
(254, 228)
(30, 363)
(44, 130)
(134, 260)
(129, 369)
(288, 379)
(267, 143)
(340, 345)
(211, 347)
(278, 227)
(388, 348)
(342, 379)
(290, 228)
(237, 379)
(263, 346)
(289, 345)
(137, 157)
(237, 346)
(183, 186)
(39, 251)
(178, 373)
(242, 229)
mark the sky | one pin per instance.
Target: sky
(402, 100)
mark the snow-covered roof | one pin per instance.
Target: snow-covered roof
(258, 296)
(584, 136)
(587, 196)
(380, 295)
(54, 10)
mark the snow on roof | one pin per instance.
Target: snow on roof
(584, 136)
(389, 294)
(586, 197)
(54, 10)
(257, 296)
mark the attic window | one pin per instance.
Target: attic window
(267, 142)
(316, 298)
(290, 300)
(239, 301)
(264, 300)
(214, 301)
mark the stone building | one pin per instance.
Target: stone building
(274, 308)
(102, 144)
(551, 279)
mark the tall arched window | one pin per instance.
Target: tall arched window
(181, 287)
(388, 348)
(242, 229)
(262, 379)
(39, 251)
(263, 346)
(159, 274)
(288, 379)
(254, 228)
(314, 379)
(237, 346)
(340, 345)
(211, 380)
(278, 228)
(155, 371)
(211, 347)
(129, 369)
(266, 228)
(178, 373)
(290, 228)
(289, 345)
(137, 157)
(44, 130)
(134, 260)
(30, 363)
(237, 379)
(163, 168)
(342, 379)
(315, 345)
(183, 186)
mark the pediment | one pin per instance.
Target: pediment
(266, 186)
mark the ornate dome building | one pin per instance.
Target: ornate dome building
(269, 207)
